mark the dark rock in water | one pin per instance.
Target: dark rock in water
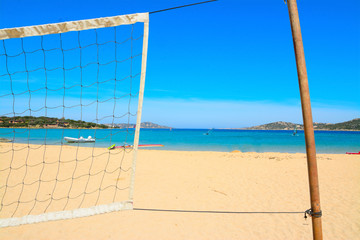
(5, 140)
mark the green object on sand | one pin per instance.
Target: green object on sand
(111, 147)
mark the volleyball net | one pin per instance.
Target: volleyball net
(68, 91)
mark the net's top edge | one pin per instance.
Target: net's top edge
(63, 27)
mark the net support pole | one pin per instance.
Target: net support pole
(307, 119)
(140, 103)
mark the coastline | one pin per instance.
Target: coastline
(332, 130)
(337, 130)
(53, 127)
(84, 146)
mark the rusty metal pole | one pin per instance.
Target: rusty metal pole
(307, 119)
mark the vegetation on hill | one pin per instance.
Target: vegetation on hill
(48, 122)
(348, 125)
(353, 125)
(51, 122)
(277, 126)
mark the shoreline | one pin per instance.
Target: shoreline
(36, 146)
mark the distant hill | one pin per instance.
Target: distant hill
(45, 122)
(353, 125)
(152, 125)
(277, 126)
(143, 125)
(53, 122)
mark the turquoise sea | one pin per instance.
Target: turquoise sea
(195, 139)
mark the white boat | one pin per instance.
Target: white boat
(79, 140)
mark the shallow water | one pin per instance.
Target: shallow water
(195, 139)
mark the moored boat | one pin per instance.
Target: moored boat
(79, 140)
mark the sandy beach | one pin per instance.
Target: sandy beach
(212, 181)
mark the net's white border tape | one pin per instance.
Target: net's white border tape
(63, 27)
(76, 213)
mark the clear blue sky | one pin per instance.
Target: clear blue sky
(230, 63)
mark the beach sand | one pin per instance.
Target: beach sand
(215, 181)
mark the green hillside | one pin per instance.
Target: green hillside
(48, 122)
(353, 125)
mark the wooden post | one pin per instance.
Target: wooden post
(307, 119)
